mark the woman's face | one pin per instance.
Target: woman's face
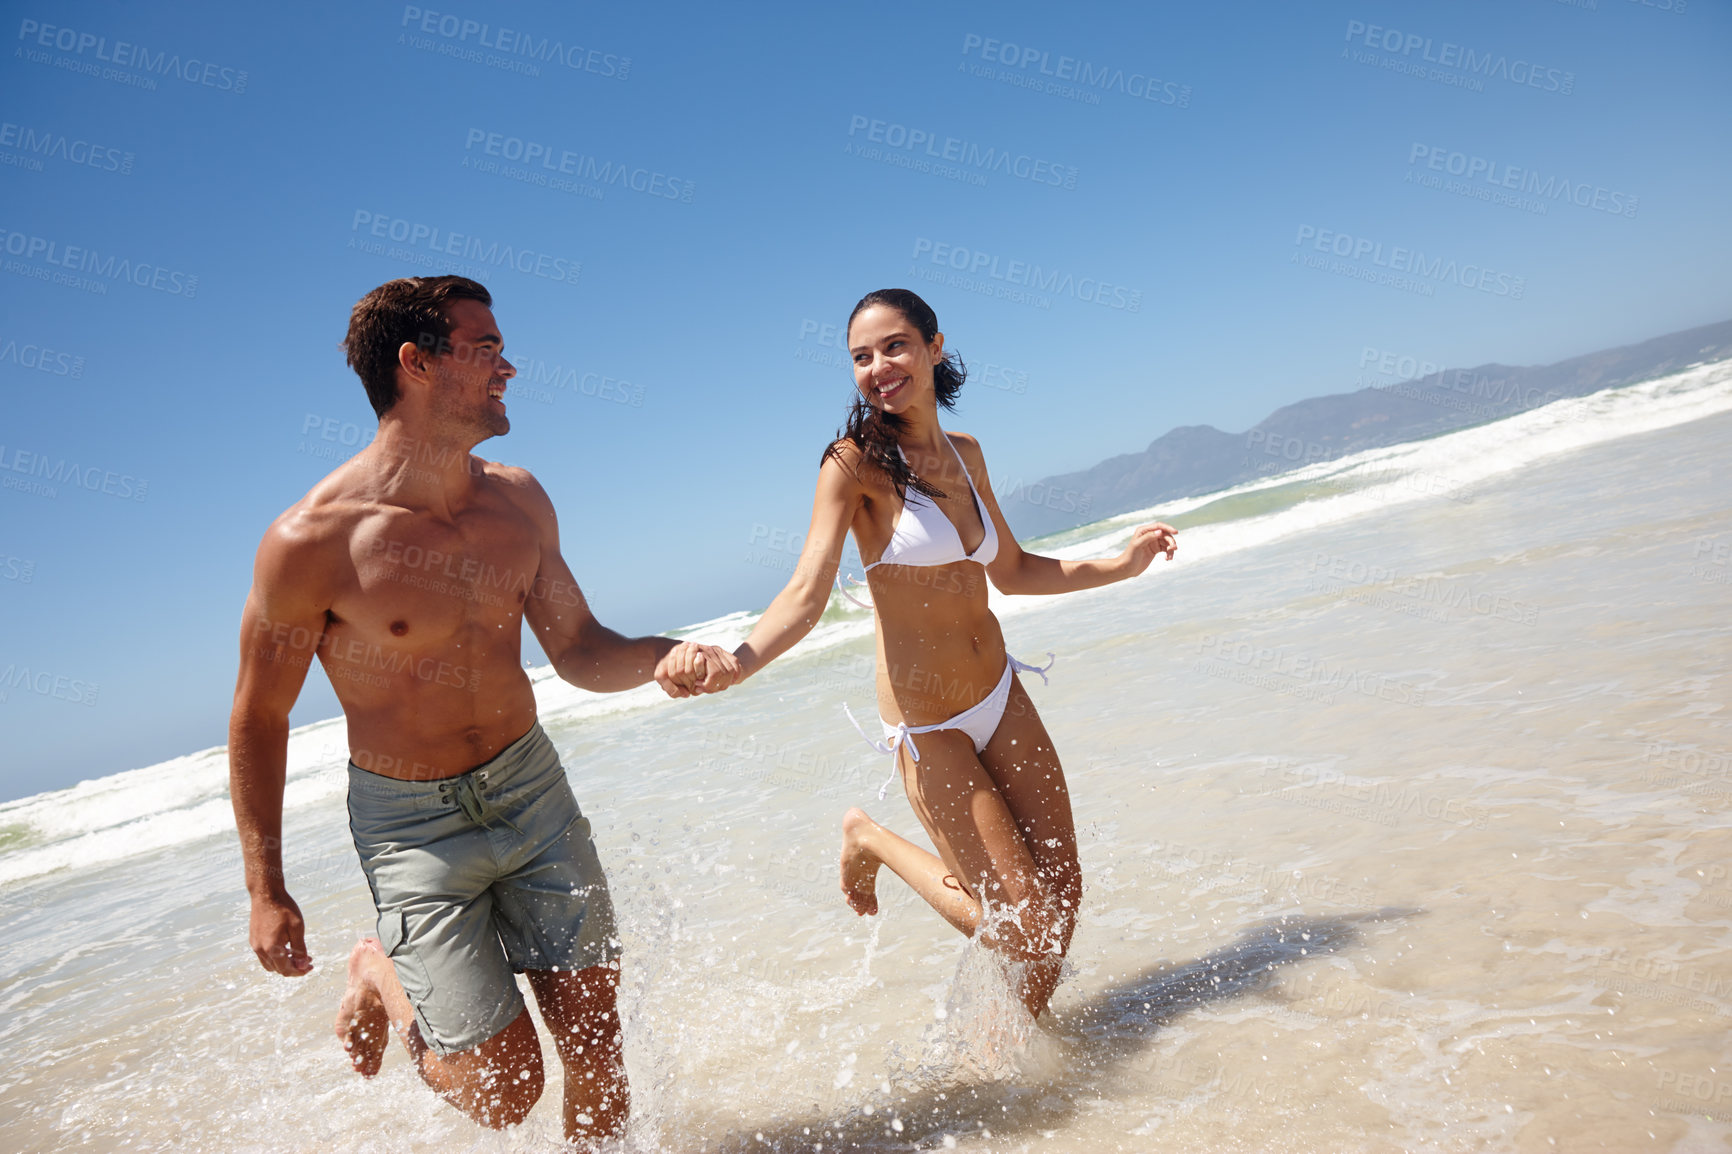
(892, 364)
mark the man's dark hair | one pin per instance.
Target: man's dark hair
(412, 309)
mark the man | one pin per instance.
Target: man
(408, 572)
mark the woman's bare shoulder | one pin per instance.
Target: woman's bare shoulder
(969, 449)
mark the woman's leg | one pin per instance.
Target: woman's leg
(866, 845)
(1025, 768)
(982, 853)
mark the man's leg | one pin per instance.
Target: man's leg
(494, 1083)
(581, 1011)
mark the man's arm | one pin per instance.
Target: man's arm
(281, 629)
(582, 650)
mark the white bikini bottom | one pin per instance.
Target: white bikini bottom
(979, 721)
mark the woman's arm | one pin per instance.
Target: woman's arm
(1017, 571)
(803, 600)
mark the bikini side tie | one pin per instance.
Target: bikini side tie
(843, 589)
(902, 736)
(1025, 667)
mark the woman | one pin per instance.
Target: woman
(975, 760)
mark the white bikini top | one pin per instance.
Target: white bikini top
(924, 536)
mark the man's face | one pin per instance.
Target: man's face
(469, 377)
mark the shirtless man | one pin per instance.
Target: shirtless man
(408, 572)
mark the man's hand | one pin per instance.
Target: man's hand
(279, 937)
(1147, 543)
(690, 668)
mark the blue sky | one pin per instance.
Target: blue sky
(1172, 172)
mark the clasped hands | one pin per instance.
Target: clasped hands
(689, 669)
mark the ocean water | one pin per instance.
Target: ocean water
(1403, 803)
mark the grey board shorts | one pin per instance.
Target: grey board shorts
(476, 878)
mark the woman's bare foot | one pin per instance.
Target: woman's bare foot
(859, 864)
(362, 1024)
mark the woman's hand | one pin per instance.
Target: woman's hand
(1146, 544)
(690, 668)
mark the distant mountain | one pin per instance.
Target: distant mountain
(1197, 459)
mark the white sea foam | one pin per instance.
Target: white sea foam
(186, 798)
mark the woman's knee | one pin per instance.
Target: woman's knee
(1035, 927)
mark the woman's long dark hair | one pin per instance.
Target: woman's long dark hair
(873, 431)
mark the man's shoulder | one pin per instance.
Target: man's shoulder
(324, 520)
(518, 485)
(513, 476)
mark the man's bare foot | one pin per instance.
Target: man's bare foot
(362, 1024)
(859, 864)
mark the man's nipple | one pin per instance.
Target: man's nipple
(398, 628)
